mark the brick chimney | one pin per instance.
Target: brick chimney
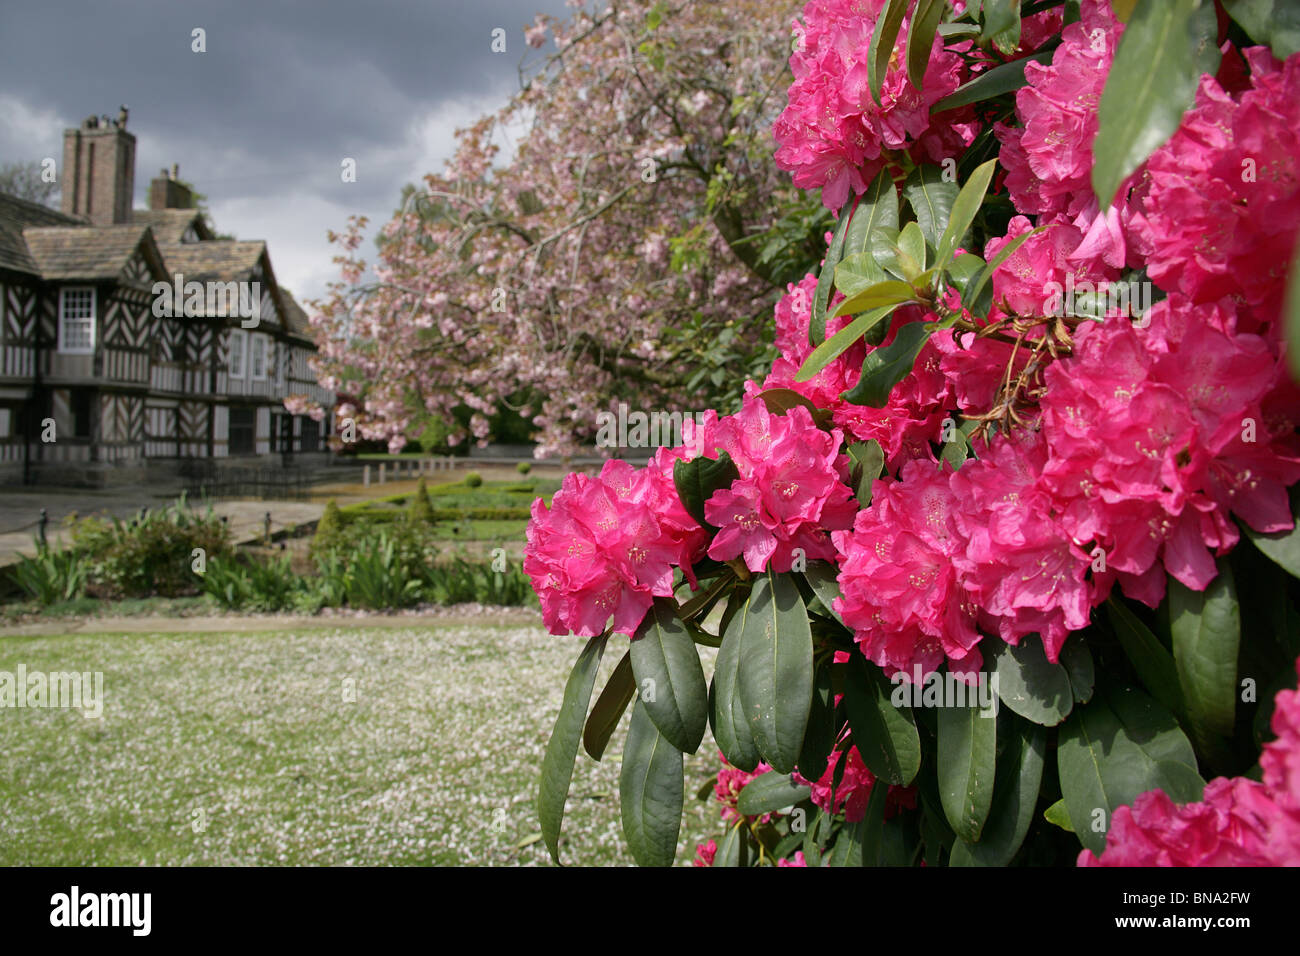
(166, 191)
(99, 170)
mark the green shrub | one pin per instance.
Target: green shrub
(53, 575)
(252, 586)
(153, 552)
(473, 479)
(466, 582)
(330, 584)
(524, 467)
(421, 510)
(377, 578)
(228, 583)
(483, 514)
(328, 528)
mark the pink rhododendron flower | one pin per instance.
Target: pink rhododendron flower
(790, 492)
(607, 546)
(1049, 157)
(939, 553)
(854, 791)
(1031, 281)
(911, 418)
(1020, 567)
(1218, 207)
(796, 860)
(731, 780)
(1035, 29)
(832, 134)
(705, 853)
(1163, 429)
(1238, 822)
(901, 589)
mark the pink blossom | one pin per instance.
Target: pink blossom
(790, 491)
(1164, 430)
(854, 790)
(1031, 280)
(1238, 822)
(1218, 207)
(705, 854)
(902, 594)
(607, 545)
(535, 35)
(832, 134)
(731, 781)
(911, 418)
(1020, 567)
(1049, 157)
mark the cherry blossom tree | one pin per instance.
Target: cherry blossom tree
(630, 250)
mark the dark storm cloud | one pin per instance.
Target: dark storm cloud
(285, 90)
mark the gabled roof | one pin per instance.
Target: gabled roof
(221, 260)
(170, 224)
(16, 215)
(294, 316)
(83, 252)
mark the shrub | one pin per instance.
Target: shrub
(524, 467)
(53, 575)
(378, 578)
(473, 479)
(252, 586)
(483, 514)
(151, 553)
(328, 528)
(421, 510)
(331, 582)
(465, 582)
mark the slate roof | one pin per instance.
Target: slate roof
(53, 245)
(82, 252)
(170, 224)
(294, 315)
(16, 215)
(221, 260)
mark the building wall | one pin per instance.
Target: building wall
(156, 388)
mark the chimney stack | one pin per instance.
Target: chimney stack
(166, 191)
(99, 170)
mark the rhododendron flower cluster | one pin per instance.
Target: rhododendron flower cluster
(1149, 441)
(1238, 822)
(790, 492)
(940, 553)
(853, 793)
(911, 418)
(1216, 211)
(1048, 157)
(1036, 452)
(1157, 436)
(608, 546)
(731, 780)
(833, 134)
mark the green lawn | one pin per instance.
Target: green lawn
(434, 763)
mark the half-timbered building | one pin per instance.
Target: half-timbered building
(103, 378)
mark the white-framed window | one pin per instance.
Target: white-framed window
(77, 320)
(257, 358)
(238, 339)
(281, 361)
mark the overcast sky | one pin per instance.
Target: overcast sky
(285, 90)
